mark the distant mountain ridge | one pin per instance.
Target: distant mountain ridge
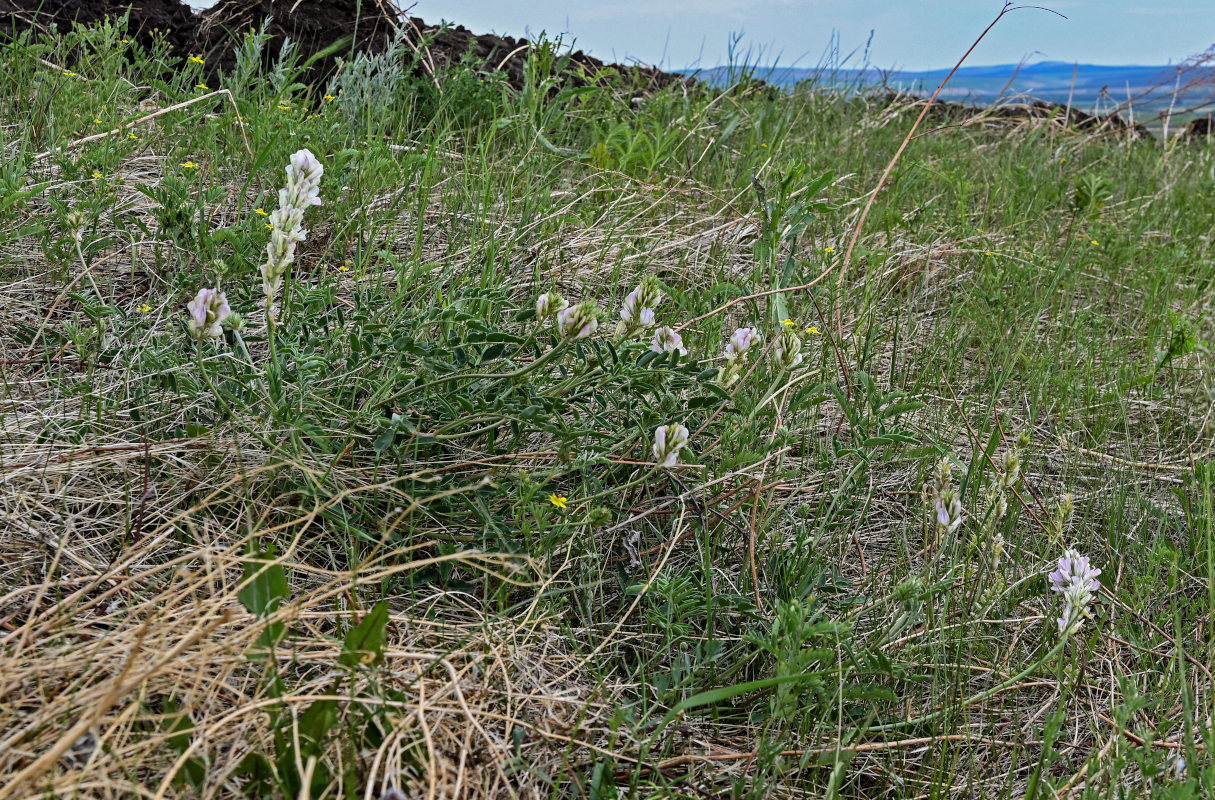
(1092, 87)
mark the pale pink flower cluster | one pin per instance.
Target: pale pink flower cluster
(1075, 579)
(637, 314)
(740, 342)
(207, 312)
(668, 340)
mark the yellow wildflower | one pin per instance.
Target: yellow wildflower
(189, 165)
(96, 174)
(558, 501)
(144, 308)
(260, 211)
(828, 249)
(343, 268)
(197, 59)
(786, 322)
(814, 330)
(329, 98)
(203, 86)
(1095, 242)
(282, 107)
(69, 73)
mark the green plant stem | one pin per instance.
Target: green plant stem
(202, 369)
(978, 698)
(539, 362)
(615, 489)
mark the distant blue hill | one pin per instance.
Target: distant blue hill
(1090, 87)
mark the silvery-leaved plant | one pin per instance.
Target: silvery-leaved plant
(550, 304)
(637, 314)
(207, 312)
(286, 222)
(668, 441)
(1075, 579)
(946, 506)
(787, 351)
(667, 340)
(578, 322)
(740, 342)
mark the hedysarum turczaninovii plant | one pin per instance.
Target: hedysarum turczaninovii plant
(286, 222)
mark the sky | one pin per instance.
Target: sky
(907, 34)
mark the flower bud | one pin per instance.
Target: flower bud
(74, 221)
(578, 322)
(947, 508)
(548, 304)
(668, 441)
(787, 352)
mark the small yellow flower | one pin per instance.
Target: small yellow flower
(814, 330)
(282, 107)
(786, 322)
(96, 174)
(1095, 242)
(132, 136)
(189, 165)
(203, 86)
(343, 268)
(69, 73)
(558, 501)
(97, 122)
(268, 225)
(828, 249)
(144, 308)
(260, 211)
(988, 253)
(763, 144)
(126, 41)
(329, 98)
(197, 59)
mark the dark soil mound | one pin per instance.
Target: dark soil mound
(1200, 127)
(493, 53)
(173, 17)
(313, 25)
